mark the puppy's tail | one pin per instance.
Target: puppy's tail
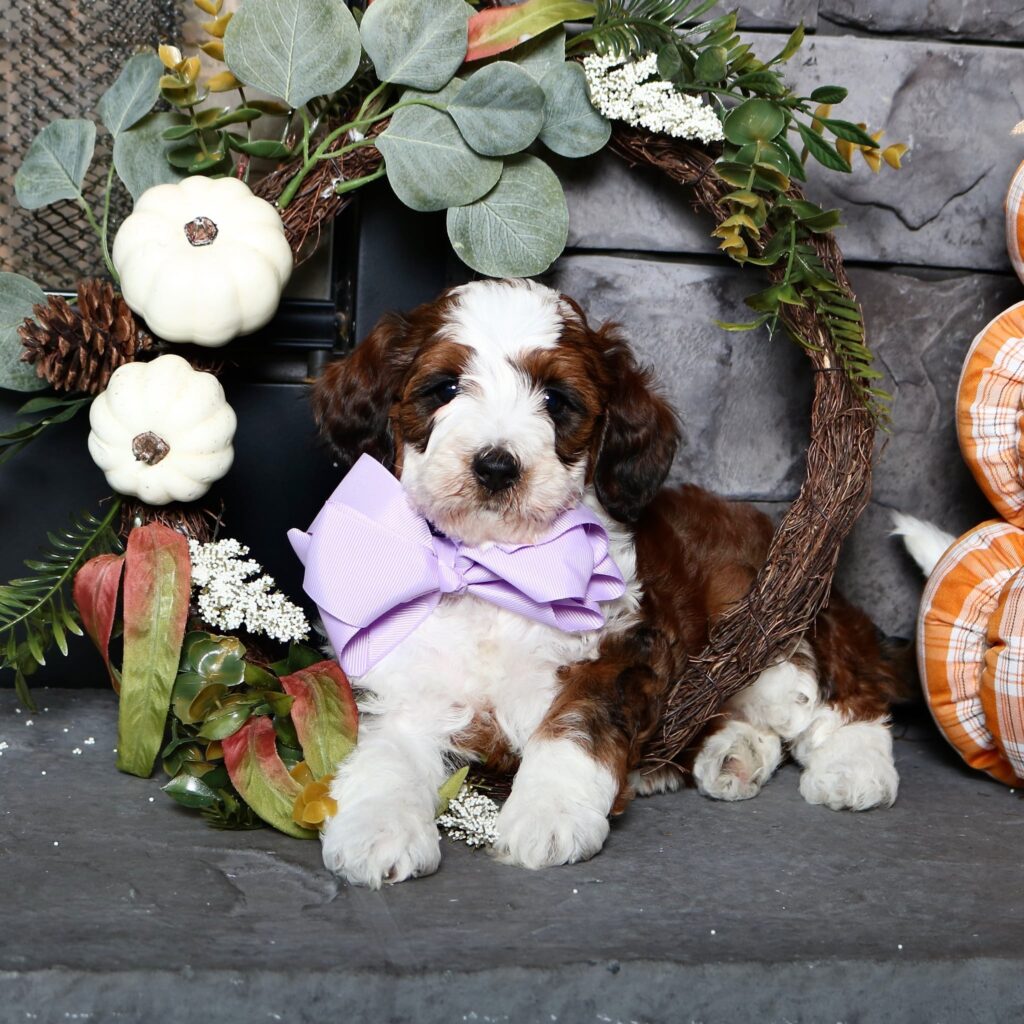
(925, 541)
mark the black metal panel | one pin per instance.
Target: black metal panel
(404, 258)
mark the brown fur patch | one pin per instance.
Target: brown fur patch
(485, 741)
(856, 674)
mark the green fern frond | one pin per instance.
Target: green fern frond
(35, 614)
(630, 27)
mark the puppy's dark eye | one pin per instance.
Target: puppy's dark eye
(557, 403)
(442, 391)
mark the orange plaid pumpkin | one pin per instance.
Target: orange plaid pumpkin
(970, 638)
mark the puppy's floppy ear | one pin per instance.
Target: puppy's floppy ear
(352, 398)
(640, 437)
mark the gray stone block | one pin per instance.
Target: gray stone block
(1000, 21)
(119, 906)
(954, 106)
(744, 398)
(920, 331)
(765, 14)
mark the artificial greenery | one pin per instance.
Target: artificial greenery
(217, 690)
(460, 106)
(35, 614)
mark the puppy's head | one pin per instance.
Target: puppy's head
(497, 405)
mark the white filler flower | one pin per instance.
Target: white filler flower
(471, 817)
(624, 92)
(229, 598)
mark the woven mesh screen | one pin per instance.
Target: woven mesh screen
(58, 58)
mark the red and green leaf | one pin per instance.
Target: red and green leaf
(324, 715)
(95, 592)
(156, 594)
(259, 775)
(498, 29)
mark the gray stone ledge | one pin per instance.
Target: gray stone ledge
(999, 20)
(767, 910)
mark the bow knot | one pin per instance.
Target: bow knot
(376, 570)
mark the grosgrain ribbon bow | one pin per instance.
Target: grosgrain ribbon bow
(376, 571)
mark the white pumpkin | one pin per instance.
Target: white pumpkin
(203, 260)
(162, 431)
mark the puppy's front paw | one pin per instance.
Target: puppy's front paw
(558, 810)
(369, 843)
(542, 831)
(852, 769)
(735, 762)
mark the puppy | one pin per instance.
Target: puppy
(499, 407)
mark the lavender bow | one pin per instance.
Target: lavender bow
(376, 571)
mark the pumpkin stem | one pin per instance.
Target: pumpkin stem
(149, 448)
(200, 231)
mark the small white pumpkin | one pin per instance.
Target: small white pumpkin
(162, 431)
(203, 260)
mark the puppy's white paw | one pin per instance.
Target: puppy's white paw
(544, 830)
(735, 762)
(782, 699)
(370, 843)
(558, 810)
(851, 769)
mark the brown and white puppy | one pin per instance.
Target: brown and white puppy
(499, 407)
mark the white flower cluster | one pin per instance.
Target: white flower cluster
(624, 92)
(229, 598)
(471, 817)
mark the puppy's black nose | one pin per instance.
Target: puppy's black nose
(496, 468)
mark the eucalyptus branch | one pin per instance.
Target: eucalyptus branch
(98, 231)
(323, 150)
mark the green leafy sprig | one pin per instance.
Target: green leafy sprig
(639, 26)
(35, 613)
(57, 409)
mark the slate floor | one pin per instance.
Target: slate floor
(119, 906)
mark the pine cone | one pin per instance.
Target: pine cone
(77, 348)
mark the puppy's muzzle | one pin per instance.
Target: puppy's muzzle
(497, 469)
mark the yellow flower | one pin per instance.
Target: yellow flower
(314, 804)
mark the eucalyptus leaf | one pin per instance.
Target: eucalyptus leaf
(17, 297)
(421, 43)
(500, 109)
(133, 94)
(294, 49)
(140, 154)
(572, 127)
(55, 165)
(519, 228)
(539, 55)
(429, 164)
(440, 97)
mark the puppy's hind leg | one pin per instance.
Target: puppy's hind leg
(846, 750)
(736, 760)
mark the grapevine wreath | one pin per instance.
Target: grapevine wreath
(237, 157)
